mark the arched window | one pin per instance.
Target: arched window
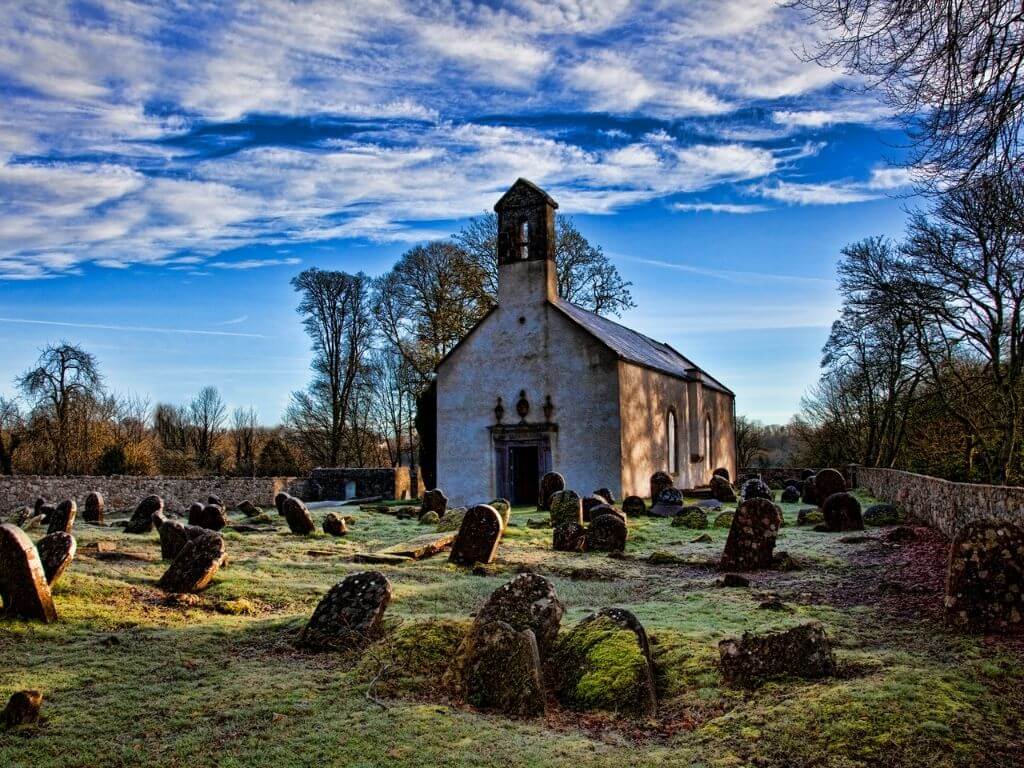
(709, 451)
(524, 240)
(673, 454)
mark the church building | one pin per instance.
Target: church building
(540, 384)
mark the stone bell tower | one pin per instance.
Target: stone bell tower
(526, 245)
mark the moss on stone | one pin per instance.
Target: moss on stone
(417, 654)
(691, 517)
(724, 520)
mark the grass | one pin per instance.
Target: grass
(131, 678)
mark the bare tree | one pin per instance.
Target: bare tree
(950, 68)
(12, 432)
(206, 416)
(749, 441)
(63, 373)
(244, 428)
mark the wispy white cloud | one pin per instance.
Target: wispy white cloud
(129, 328)
(253, 263)
(731, 275)
(738, 208)
(882, 181)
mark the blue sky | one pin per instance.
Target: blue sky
(164, 171)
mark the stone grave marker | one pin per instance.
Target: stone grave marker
(985, 577)
(478, 537)
(23, 587)
(550, 484)
(566, 507)
(63, 519)
(607, 533)
(195, 565)
(350, 614)
(94, 507)
(751, 541)
(56, 552)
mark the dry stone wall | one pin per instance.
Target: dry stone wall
(124, 492)
(941, 504)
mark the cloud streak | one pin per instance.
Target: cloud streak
(130, 328)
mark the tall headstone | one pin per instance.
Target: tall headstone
(142, 519)
(566, 507)
(298, 517)
(64, 518)
(550, 484)
(23, 585)
(94, 507)
(56, 551)
(479, 534)
(751, 541)
(195, 565)
(827, 482)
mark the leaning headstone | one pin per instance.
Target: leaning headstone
(659, 482)
(56, 551)
(196, 564)
(589, 503)
(752, 534)
(721, 488)
(605, 493)
(566, 507)
(478, 537)
(142, 519)
(23, 585)
(612, 647)
(722, 472)
(94, 508)
(434, 501)
(334, 524)
(64, 518)
(248, 509)
(350, 614)
(607, 533)
(174, 535)
(827, 482)
(215, 499)
(550, 484)
(22, 708)
(211, 517)
(756, 488)
(529, 601)
(803, 651)
(809, 493)
(501, 670)
(504, 509)
(634, 506)
(298, 517)
(985, 577)
(668, 503)
(790, 495)
(842, 512)
(279, 502)
(568, 537)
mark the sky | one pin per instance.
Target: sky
(166, 169)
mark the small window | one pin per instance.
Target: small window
(708, 450)
(524, 240)
(673, 457)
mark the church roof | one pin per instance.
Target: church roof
(634, 347)
(525, 187)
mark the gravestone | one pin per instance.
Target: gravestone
(501, 670)
(884, 514)
(606, 509)
(842, 512)
(605, 493)
(195, 565)
(504, 509)
(434, 501)
(828, 482)
(350, 614)
(790, 495)
(803, 651)
(298, 517)
(142, 519)
(751, 540)
(334, 524)
(589, 502)
(452, 519)
(214, 499)
(37, 507)
(46, 513)
(63, 519)
(568, 537)
(56, 551)
(659, 482)
(721, 488)
(248, 509)
(174, 535)
(608, 533)
(806, 473)
(985, 577)
(722, 472)
(195, 512)
(668, 503)
(279, 502)
(634, 506)
(550, 484)
(211, 517)
(528, 601)
(23, 587)
(809, 493)
(94, 508)
(566, 507)
(479, 534)
(809, 516)
(756, 488)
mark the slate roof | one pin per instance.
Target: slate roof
(635, 347)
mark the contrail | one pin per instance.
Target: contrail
(131, 328)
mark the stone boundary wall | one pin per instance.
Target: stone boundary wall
(389, 482)
(124, 491)
(775, 476)
(942, 504)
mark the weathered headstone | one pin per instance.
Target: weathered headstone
(827, 482)
(37, 507)
(248, 509)
(809, 493)
(298, 517)
(46, 513)
(215, 499)
(434, 501)
(501, 670)
(756, 488)
(350, 614)
(659, 482)
(884, 514)
(56, 551)
(195, 565)
(985, 577)
(809, 516)
(752, 534)
(478, 537)
(607, 533)
(721, 488)
(334, 524)
(174, 535)
(504, 509)
(64, 518)
(605, 493)
(566, 507)
(142, 519)
(568, 537)
(94, 508)
(842, 512)
(634, 506)
(668, 503)
(550, 484)
(452, 519)
(279, 502)
(23, 585)
(803, 651)
(722, 472)
(22, 708)
(210, 516)
(691, 517)
(589, 503)
(529, 601)
(790, 495)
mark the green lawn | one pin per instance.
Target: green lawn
(131, 678)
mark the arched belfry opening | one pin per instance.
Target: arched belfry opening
(526, 244)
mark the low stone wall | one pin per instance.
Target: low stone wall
(124, 492)
(941, 504)
(339, 483)
(776, 476)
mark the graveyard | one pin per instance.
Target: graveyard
(235, 672)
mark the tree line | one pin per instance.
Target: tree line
(375, 342)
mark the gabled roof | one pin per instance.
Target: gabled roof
(634, 347)
(531, 189)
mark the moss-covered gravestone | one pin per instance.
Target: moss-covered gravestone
(604, 664)
(550, 484)
(434, 501)
(883, 514)
(23, 585)
(827, 482)
(568, 537)
(607, 533)
(722, 489)
(142, 519)
(691, 517)
(756, 488)
(196, 564)
(334, 524)
(452, 519)
(94, 507)
(751, 540)
(634, 506)
(64, 518)
(809, 516)
(174, 535)
(56, 551)
(504, 509)
(803, 651)
(985, 577)
(842, 512)
(479, 534)
(298, 517)
(501, 670)
(350, 614)
(529, 601)
(659, 482)
(566, 507)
